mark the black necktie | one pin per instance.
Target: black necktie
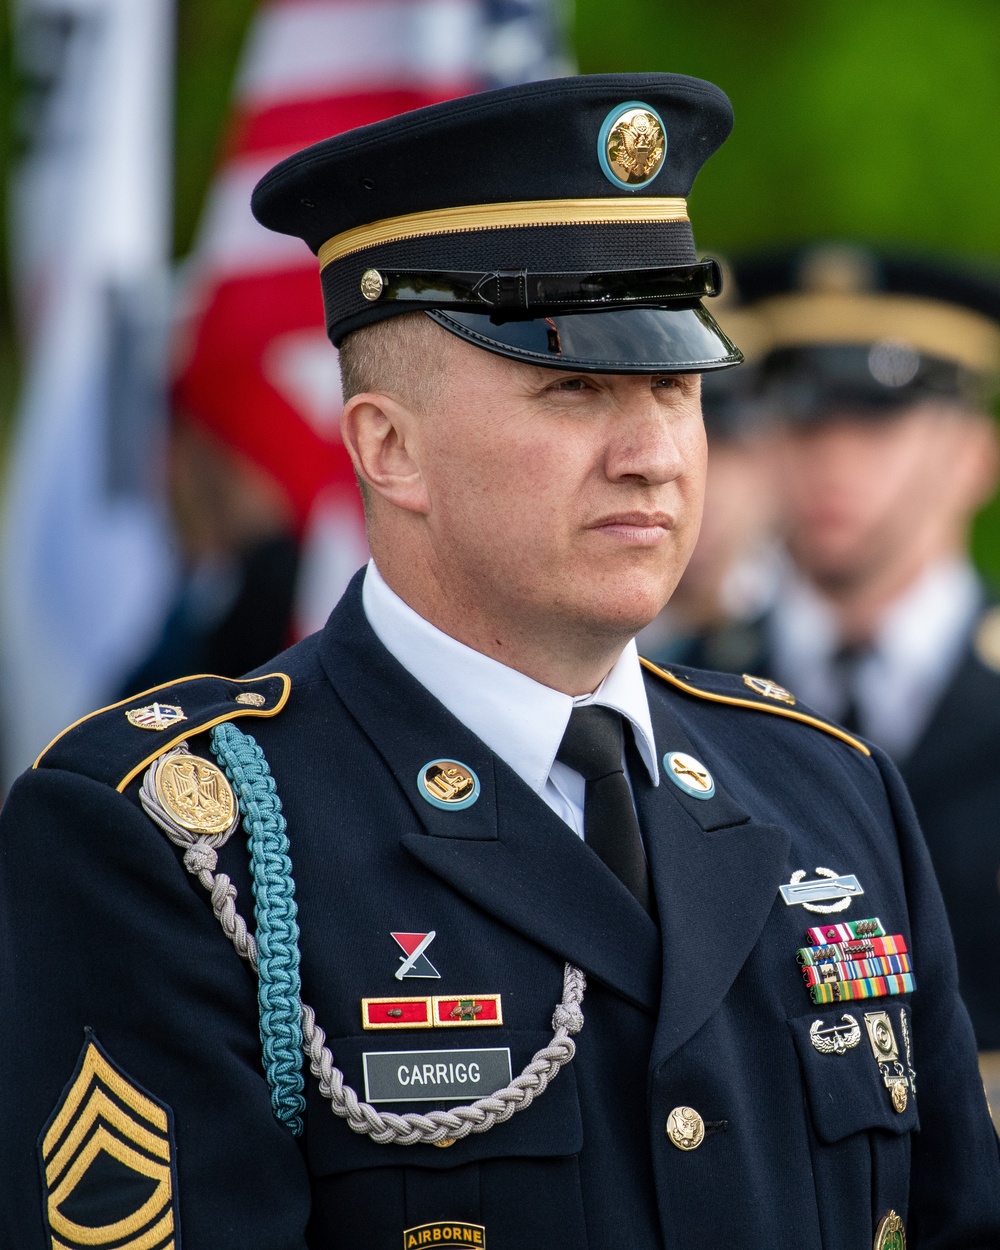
(592, 747)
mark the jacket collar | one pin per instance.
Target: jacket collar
(716, 874)
(508, 853)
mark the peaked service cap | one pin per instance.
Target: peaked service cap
(546, 222)
(853, 327)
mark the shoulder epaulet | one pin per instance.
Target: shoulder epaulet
(756, 693)
(116, 743)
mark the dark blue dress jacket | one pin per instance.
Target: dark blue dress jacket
(132, 1095)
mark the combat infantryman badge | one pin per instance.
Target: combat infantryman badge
(155, 716)
(810, 894)
(413, 962)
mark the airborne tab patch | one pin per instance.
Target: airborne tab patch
(107, 1162)
(445, 1233)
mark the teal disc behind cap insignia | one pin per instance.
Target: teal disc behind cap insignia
(689, 774)
(632, 145)
(448, 784)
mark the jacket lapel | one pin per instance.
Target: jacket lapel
(716, 873)
(508, 853)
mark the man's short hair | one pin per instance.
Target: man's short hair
(396, 357)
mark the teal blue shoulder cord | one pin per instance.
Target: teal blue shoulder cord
(279, 983)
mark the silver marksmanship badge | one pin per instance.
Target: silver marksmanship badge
(886, 1052)
(835, 1039)
(827, 884)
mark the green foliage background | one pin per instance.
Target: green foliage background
(869, 119)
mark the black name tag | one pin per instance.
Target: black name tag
(435, 1075)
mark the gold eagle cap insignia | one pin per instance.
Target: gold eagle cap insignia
(635, 146)
(107, 1159)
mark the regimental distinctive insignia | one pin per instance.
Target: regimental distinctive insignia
(685, 1128)
(414, 962)
(886, 1052)
(890, 1234)
(769, 689)
(689, 774)
(451, 1011)
(250, 698)
(155, 716)
(448, 784)
(194, 792)
(396, 1013)
(835, 1039)
(107, 1163)
(632, 145)
(810, 894)
(445, 1233)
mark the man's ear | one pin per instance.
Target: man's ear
(382, 438)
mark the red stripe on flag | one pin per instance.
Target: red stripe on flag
(299, 123)
(226, 386)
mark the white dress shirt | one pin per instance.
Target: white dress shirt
(518, 718)
(899, 682)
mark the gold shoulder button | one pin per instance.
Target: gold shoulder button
(736, 700)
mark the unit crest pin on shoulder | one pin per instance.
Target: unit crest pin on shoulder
(769, 689)
(155, 716)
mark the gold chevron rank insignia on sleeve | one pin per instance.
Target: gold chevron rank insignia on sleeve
(107, 1163)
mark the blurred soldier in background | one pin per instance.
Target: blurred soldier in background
(879, 377)
(712, 618)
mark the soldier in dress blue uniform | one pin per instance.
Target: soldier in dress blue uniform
(457, 925)
(880, 373)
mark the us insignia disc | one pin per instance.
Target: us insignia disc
(195, 793)
(632, 145)
(250, 698)
(685, 1128)
(448, 784)
(689, 774)
(769, 689)
(155, 716)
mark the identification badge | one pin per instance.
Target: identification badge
(435, 1075)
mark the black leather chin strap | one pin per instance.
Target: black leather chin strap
(520, 290)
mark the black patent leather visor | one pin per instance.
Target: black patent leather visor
(628, 340)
